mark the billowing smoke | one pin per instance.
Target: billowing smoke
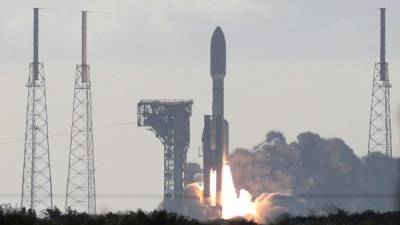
(271, 206)
(192, 173)
(323, 173)
(312, 175)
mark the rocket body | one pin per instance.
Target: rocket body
(218, 71)
(215, 133)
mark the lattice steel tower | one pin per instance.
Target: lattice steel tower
(169, 119)
(81, 188)
(36, 178)
(380, 131)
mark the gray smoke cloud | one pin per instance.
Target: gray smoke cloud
(311, 175)
(323, 173)
(270, 206)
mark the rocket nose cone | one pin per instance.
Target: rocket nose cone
(218, 53)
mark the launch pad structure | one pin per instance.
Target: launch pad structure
(81, 185)
(36, 179)
(380, 131)
(170, 121)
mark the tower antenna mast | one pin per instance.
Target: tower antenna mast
(380, 131)
(81, 186)
(36, 178)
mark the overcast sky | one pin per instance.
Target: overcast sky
(293, 66)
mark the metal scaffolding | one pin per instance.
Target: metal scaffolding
(81, 188)
(36, 179)
(169, 120)
(380, 130)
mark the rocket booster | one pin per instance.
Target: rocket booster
(215, 133)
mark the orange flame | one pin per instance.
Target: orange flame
(234, 205)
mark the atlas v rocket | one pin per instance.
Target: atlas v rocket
(215, 132)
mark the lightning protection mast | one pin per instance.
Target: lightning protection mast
(81, 188)
(36, 178)
(380, 131)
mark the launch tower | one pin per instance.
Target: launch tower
(81, 187)
(169, 119)
(36, 178)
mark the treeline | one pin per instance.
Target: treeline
(159, 217)
(342, 218)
